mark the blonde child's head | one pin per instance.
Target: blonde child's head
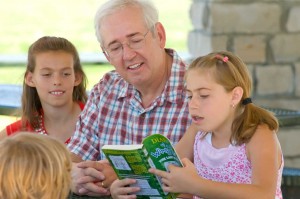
(34, 166)
(229, 71)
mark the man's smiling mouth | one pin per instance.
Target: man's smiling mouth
(135, 66)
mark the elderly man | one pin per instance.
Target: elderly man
(144, 95)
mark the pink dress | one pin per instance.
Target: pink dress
(229, 165)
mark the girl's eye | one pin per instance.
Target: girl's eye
(204, 96)
(67, 74)
(46, 74)
(189, 97)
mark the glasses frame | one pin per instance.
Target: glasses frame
(106, 52)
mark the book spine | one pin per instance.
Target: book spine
(156, 180)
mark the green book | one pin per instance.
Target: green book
(133, 161)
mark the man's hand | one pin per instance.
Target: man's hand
(93, 168)
(92, 178)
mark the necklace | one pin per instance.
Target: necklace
(41, 128)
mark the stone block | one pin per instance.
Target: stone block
(197, 15)
(252, 49)
(297, 74)
(274, 80)
(293, 22)
(286, 47)
(289, 141)
(244, 18)
(200, 44)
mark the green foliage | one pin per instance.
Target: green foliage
(23, 23)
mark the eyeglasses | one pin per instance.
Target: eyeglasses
(116, 49)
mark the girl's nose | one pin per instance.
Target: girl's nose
(57, 80)
(193, 103)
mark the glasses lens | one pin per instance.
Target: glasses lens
(114, 49)
(136, 42)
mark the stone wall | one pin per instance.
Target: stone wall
(289, 140)
(264, 33)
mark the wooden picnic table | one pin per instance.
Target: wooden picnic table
(74, 196)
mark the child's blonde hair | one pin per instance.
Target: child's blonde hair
(34, 166)
(230, 71)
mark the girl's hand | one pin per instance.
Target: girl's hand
(120, 189)
(179, 179)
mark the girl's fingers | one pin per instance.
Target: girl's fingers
(157, 172)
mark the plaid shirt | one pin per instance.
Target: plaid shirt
(114, 114)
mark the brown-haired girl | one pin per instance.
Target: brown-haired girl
(54, 90)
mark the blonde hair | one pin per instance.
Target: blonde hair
(230, 71)
(34, 166)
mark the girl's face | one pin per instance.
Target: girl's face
(209, 104)
(54, 78)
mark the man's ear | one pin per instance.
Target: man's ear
(161, 34)
(237, 94)
(29, 79)
(78, 79)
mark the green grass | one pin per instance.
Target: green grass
(95, 72)
(23, 23)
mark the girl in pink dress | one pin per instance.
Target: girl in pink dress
(231, 150)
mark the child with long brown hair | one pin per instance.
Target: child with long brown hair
(54, 90)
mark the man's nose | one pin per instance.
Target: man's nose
(128, 52)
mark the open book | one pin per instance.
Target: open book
(133, 161)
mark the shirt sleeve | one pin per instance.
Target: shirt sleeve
(17, 127)
(14, 127)
(85, 142)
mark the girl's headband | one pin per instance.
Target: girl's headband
(224, 59)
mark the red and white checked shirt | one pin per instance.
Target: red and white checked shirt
(114, 114)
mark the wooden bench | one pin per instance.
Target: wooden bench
(10, 99)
